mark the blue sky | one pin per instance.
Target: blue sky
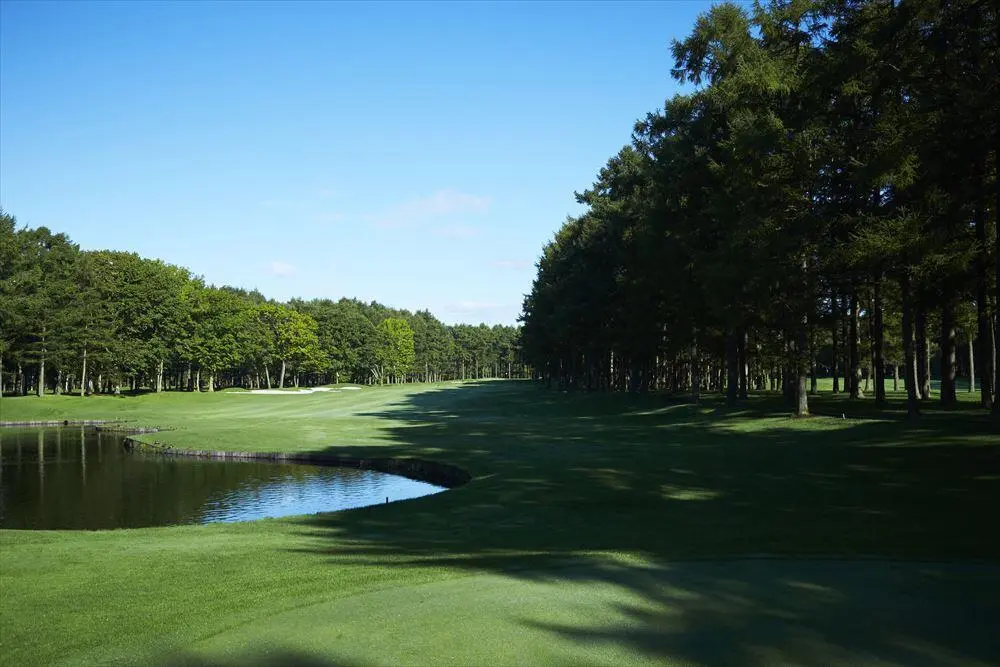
(416, 154)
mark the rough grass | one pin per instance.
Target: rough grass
(566, 547)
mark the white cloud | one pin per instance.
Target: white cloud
(281, 269)
(442, 203)
(510, 264)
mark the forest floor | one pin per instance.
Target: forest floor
(596, 529)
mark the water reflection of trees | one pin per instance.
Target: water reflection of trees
(83, 479)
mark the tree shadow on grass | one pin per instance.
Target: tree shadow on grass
(558, 478)
(258, 656)
(767, 612)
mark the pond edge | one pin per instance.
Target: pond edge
(433, 472)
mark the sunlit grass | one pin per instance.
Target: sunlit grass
(577, 506)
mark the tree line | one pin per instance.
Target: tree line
(107, 321)
(823, 202)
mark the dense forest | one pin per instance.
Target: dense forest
(107, 322)
(823, 202)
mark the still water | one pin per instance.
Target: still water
(80, 479)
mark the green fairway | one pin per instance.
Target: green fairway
(573, 543)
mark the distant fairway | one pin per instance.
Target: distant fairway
(597, 529)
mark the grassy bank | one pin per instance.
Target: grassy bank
(559, 549)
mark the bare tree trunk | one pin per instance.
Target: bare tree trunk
(878, 343)
(732, 368)
(996, 255)
(197, 381)
(923, 355)
(972, 366)
(83, 374)
(986, 370)
(695, 369)
(211, 382)
(895, 377)
(855, 365)
(813, 379)
(41, 370)
(835, 315)
(743, 341)
(281, 378)
(948, 360)
(912, 397)
(801, 368)
(159, 378)
(845, 330)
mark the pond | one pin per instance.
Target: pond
(82, 479)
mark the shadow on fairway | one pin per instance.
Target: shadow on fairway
(557, 476)
(257, 657)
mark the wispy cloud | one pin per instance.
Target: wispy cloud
(514, 264)
(281, 269)
(440, 204)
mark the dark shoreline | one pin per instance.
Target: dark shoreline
(440, 474)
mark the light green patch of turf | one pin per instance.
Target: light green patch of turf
(555, 477)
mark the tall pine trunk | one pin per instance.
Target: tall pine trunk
(878, 343)
(972, 366)
(802, 360)
(695, 370)
(986, 370)
(909, 365)
(996, 258)
(923, 353)
(40, 389)
(834, 330)
(845, 348)
(743, 341)
(732, 368)
(83, 374)
(41, 368)
(948, 360)
(855, 357)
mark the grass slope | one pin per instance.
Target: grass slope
(567, 546)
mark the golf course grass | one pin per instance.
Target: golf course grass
(597, 529)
